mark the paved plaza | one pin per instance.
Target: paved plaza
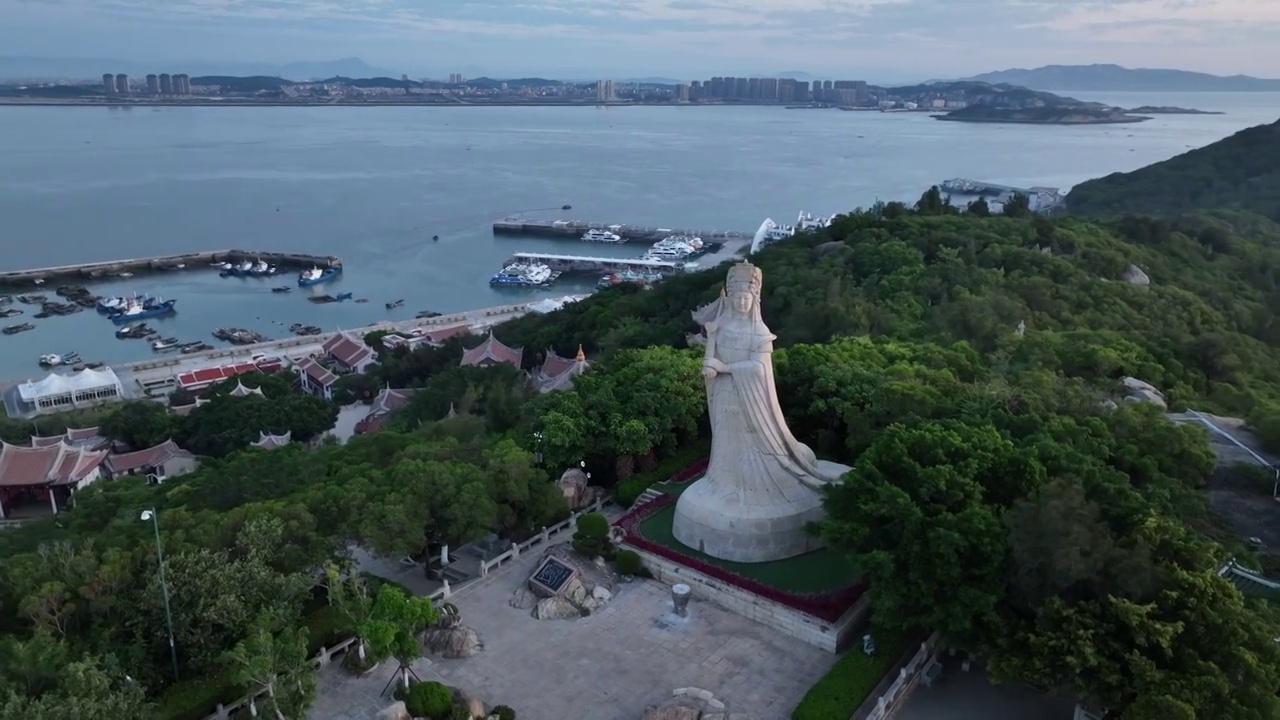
(608, 666)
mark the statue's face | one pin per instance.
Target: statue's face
(742, 301)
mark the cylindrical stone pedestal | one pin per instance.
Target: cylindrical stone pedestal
(680, 598)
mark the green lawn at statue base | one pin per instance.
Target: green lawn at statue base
(817, 572)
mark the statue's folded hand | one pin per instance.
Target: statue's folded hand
(714, 365)
(709, 372)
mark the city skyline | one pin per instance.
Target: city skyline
(881, 40)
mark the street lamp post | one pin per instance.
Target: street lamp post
(154, 517)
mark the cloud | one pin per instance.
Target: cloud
(930, 37)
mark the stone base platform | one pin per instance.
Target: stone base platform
(751, 529)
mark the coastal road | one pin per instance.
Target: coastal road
(133, 376)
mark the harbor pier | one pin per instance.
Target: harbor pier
(575, 229)
(106, 269)
(601, 265)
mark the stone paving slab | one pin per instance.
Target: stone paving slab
(608, 666)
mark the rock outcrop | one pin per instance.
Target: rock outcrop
(691, 704)
(1141, 391)
(573, 485)
(591, 587)
(1134, 276)
(452, 642)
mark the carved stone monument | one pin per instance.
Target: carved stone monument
(762, 485)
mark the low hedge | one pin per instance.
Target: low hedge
(839, 693)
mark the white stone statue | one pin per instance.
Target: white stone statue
(762, 485)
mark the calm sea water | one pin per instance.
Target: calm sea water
(372, 185)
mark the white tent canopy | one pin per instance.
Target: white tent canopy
(86, 386)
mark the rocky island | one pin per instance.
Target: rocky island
(1171, 110)
(1084, 114)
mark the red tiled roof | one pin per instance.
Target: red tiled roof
(347, 350)
(46, 465)
(557, 373)
(317, 372)
(438, 336)
(204, 377)
(151, 457)
(390, 400)
(492, 350)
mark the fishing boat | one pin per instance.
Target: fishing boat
(15, 329)
(566, 207)
(198, 347)
(10, 312)
(164, 344)
(524, 275)
(142, 310)
(343, 296)
(282, 289)
(54, 359)
(316, 276)
(394, 304)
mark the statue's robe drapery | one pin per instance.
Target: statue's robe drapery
(762, 485)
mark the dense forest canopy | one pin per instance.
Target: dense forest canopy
(1239, 172)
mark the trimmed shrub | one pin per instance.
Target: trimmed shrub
(628, 491)
(593, 525)
(429, 700)
(592, 537)
(628, 562)
(504, 713)
(844, 688)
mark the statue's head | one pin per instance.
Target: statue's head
(743, 286)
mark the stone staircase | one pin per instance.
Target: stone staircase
(647, 495)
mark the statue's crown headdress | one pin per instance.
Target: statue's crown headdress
(744, 277)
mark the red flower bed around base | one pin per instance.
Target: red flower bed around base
(826, 606)
(692, 472)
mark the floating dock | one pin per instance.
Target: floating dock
(105, 269)
(584, 264)
(575, 229)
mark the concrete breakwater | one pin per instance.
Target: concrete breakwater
(106, 269)
(575, 229)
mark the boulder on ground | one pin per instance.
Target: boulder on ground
(472, 703)
(556, 608)
(522, 599)
(573, 485)
(455, 642)
(1134, 276)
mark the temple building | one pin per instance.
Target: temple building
(492, 352)
(241, 390)
(58, 393)
(35, 478)
(89, 438)
(557, 373)
(158, 462)
(271, 442)
(316, 378)
(388, 401)
(348, 354)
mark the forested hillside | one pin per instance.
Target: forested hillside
(1239, 172)
(960, 363)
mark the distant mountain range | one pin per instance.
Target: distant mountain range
(35, 68)
(1114, 77)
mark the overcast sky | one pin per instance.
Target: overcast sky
(868, 39)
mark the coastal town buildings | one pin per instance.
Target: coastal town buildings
(268, 441)
(389, 400)
(349, 353)
(61, 392)
(315, 378)
(42, 478)
(158, 462)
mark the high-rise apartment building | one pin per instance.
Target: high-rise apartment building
(604, 91)
(153, 84)
(122, 84)
(682, 92)
(182, 84)
(109, 83)
(166, 84)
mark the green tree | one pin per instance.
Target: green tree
(393, 627)
(139, 424)
(916, 514)
(1017, 205)
(274, 660)
(87, 691)
(350, 595)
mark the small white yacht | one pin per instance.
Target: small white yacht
(603, 236)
